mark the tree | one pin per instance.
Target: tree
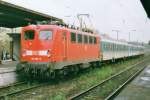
(149, 42)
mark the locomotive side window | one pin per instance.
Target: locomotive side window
(94, 40)
(79, 38)
(29, 35)
(45, 35)
(85, 39)
(90, 39)
(73, 37)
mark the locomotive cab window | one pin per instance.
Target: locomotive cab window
(45, 35)
(29, 35)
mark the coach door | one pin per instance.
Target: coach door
(64, 45)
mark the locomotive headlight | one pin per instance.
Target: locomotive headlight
(48, 53)
(23, 53)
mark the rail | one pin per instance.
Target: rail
(8, 72)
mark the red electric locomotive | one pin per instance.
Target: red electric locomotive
(47, 49)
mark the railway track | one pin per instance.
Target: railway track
(136, 68)
(18, 87)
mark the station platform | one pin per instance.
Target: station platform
(138, 89)
(8, 66)
(7, 73)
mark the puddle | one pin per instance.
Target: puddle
(7, 78)
(145, 78)
(148, 71)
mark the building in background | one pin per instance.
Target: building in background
(10, 42)
(15, 46)
(4, 41)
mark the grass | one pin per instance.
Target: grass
(66, 88)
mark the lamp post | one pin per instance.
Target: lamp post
(130, 34)
(117, 31)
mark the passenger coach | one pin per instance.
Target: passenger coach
(115, 49)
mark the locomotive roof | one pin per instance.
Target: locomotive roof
(60, 27)
(78, 31)
(12, 16)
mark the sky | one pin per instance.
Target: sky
(107, 16)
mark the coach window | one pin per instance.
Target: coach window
(45, 35)
(79, 38)
(120, 47)
(103, 45)
(85, 39)
(116, 47)
(73, 37)
(109, 45)
(29, 35)
(125, 48)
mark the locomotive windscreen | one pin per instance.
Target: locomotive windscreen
(45, 35)
(29, 35)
